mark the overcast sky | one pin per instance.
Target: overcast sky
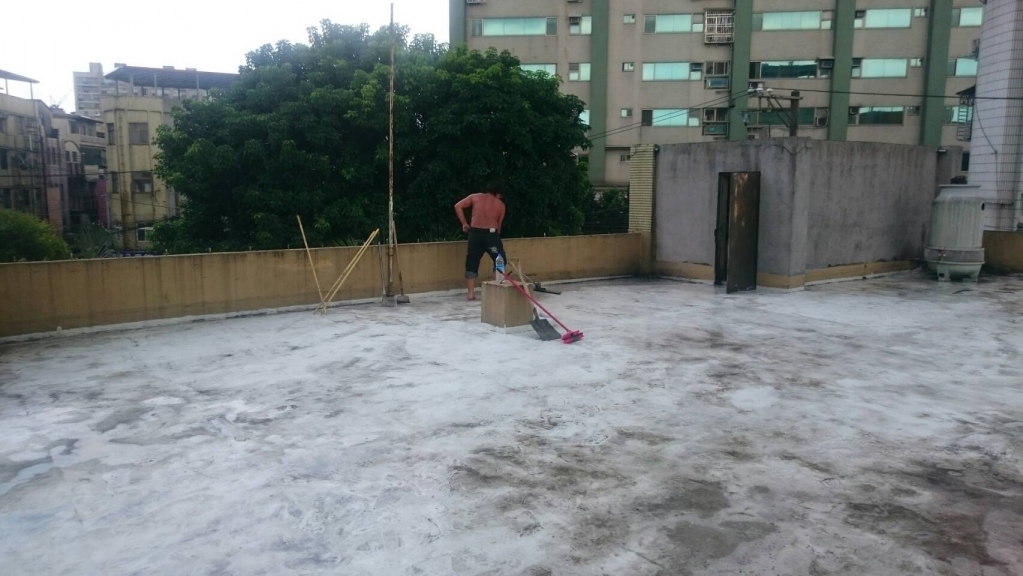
(50, 43)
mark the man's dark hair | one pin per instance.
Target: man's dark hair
(494, 188)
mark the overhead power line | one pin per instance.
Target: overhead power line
(897, 94)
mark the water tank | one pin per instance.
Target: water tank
(956, 246)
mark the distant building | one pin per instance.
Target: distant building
(137, 198)
(660, 72)
(28, 160)
(996, 163)
(82, 156)
(90, 87)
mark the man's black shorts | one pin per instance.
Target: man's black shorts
(481, 240)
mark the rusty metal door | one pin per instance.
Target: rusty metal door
(743, 231)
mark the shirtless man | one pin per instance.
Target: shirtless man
(485, 231)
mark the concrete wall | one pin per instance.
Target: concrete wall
(42, 296)
(1003, 251)
(827, 209)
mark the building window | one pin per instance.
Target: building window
(783, 69)
(67, 155)
(965, 165)
(718, 68)
(827, 16)
(3, 124)
(882, 68)
(551, 69)
(580, 25)
(669, 117)
(115, 181)
(671, 71)
(626, 112)
(138, 133)
(884, 18)
(968, 16)
(959, 114)
(110, 134)
(142, 183)
(673, 23)
(629, 19)
(625, 158)
(74, 157)
(719, 27)
(74, 127)
(962, 67)
(4, 161)
(717, 82)
(579, 72)
(584, 118)
(767, 21)
(781, 117)
(877, 115)
(515, 27)
(143, 234)
(919, 12)
(916, 62)
(628, 66)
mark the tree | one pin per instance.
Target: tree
(608, 213)
(304, 131)
(25, 237)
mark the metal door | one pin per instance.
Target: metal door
(721, 230)
(743, 231)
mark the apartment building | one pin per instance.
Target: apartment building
(80, 159)
(23, 123)
(137, 198)
(668, 71)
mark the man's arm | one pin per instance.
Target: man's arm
(460, 211)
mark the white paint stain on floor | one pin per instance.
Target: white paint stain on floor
(852, 429)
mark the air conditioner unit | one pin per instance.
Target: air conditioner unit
(751, 136)
(575, 19)
(854, 110)
(820, 121)
(827, 63)
(756, 86)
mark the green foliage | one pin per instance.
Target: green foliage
(608, 213)
(25, 237)
(304, 131)
(93, 241)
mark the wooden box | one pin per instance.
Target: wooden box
(504, 306)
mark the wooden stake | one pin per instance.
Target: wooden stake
(310, 255)
(348, 270)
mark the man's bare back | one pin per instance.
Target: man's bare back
(487, 211)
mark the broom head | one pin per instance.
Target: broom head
(571, 337)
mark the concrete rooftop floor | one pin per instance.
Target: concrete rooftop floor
(862, 428)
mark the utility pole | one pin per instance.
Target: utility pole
(391, 240)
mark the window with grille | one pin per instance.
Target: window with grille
(138, 133)
(719, 26)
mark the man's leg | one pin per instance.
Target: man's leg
(477, 247)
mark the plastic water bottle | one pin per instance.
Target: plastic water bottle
(499, 267)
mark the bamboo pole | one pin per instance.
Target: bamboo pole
(348, 270)
(310, 255)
